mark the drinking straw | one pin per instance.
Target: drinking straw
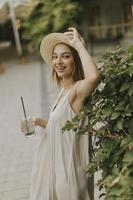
(23, 108)
(25, 115)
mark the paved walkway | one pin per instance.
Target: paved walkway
(32, 81)
(16, 151)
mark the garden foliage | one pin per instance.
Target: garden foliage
(110, 121)
(43, 17)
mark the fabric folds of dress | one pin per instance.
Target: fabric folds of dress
(59, 167)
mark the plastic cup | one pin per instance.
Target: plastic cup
(28, 127)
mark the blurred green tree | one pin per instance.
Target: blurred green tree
(43, 17)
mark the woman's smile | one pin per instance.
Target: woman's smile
(60, 68)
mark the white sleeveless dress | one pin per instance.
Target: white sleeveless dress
(59, 168)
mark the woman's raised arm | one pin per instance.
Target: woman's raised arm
(84, 87)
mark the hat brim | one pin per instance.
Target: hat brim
(49, 42)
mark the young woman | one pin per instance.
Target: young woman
(59, 169)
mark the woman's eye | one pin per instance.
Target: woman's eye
(54, 57)
(66, 56)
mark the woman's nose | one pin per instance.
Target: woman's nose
(59, 60)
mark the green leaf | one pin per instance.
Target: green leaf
(128, 158)
(124, 86)
(115, 115)
(130, 90)
(119, 125)
(129, 125)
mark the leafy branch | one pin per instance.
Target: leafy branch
(108, 116)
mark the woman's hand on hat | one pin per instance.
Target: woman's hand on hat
(74, 38)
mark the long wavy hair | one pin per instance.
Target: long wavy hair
(78, 73)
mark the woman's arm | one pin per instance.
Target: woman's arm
(84, 87)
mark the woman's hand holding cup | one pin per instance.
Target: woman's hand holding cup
(40, 122)
(28, 126)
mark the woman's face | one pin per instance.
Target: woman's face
(63, 62)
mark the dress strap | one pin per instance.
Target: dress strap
(61, 98)
(68, 92)
(57, 99)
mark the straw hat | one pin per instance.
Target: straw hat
(49, 42)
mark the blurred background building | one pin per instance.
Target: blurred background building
(109, 19)
(101, 20)
(109, 23)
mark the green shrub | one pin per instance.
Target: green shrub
(110, 120)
